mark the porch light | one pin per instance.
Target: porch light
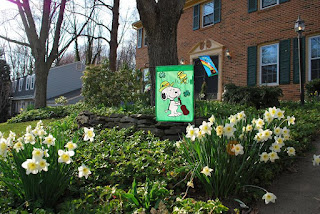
(228, 54)
(299, 26)
(182, 61)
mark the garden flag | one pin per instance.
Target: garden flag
(208, 65)
(174, 93)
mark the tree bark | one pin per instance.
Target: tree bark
(114, 36)
(160, 21)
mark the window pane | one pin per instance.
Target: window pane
(269, 54)
(208, 13)
(315, 47)
(315, 69)
(269, 74)
(267, 3)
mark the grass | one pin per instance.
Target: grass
(18, 128)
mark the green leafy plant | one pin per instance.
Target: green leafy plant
(313, 89)
(36, 167)
(147, 196)
(190, 205)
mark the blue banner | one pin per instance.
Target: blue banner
(208, 65)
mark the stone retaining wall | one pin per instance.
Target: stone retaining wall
(164, 130)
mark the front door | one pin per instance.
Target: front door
(200, 75)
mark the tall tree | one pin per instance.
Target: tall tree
(160, 20)
(4, 88)
(44, 49)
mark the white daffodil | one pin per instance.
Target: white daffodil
(291, 120)
(12, 135)
(3, 147)
(189, 126)
(50, 140)
(233, 119)
(316, 160)
(41, 133)
(279, 114)
(277, 131)
(219, 130)
(267, 134)
(37, 154)
(269, 197)
(178, 144)
(228, 130)
(71, 146)
(207, 171)
(29, 138)
(249, 128)
(199, 134)
(31, 166)
(40, 124)
(273, 156)
(212, 119)
(88, 134)
(275, 147)
(237, 149)
(65, 156)
(279, 140)
(192, 133)
(259, 123)
(43, 165)
(285, 131)
(18, 146)
(45, 152)
(264, 157)
(241, 115)
(291, 151)
(28, 129)
(206, 127)
(84, 171)
(190, 184)
(286, 137)
(273, 111)
(267, 116)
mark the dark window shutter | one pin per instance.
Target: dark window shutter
(282, 1)
(296, 78)
(284, 61)
(217, 11)
(196, 17)
(252, 5)
(252, 66)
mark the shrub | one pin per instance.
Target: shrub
(313, 89)
(259, 97)
(226, 154)
(102, 86)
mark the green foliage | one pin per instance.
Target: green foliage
(259, 97)
(313, 89)
(189, 205)
(148, 196)
(102, 86)
(231, 171)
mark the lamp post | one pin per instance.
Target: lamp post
(299, 27)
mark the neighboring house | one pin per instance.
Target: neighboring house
(63, 80)
(259, 36)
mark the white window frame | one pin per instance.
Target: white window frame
(202, 14)
(309, 56)
(140, 35)
(262, 8)
(28, 83)
(145, 38)
(32, 81)
(14, 86)
(20, 83)
(260, 66)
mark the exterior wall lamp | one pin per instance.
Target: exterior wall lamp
(299, 27)
(228, 54)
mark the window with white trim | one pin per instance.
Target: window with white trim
(14, 86)
(20, 84)
(314, 57)
(33, 77)
(268, 3)
(269, 64)
(207, 14)
(28, 83)
(139, 38)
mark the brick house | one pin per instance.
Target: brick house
(259, 36)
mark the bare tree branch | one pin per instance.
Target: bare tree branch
(15, 41)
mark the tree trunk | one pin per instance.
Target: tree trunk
(42, 71)
(160, 20)
(114, 36)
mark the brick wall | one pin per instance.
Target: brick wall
(239, 29)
